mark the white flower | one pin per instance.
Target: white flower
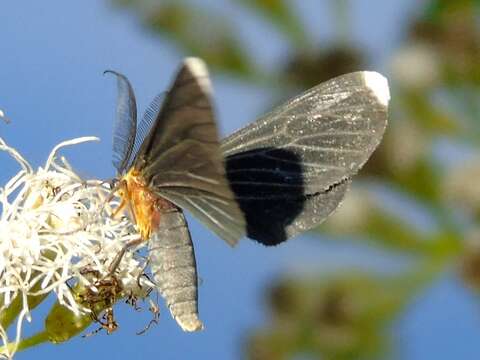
(57, 231)
(416, 66)
(460, 186)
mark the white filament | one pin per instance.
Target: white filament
(53, 226)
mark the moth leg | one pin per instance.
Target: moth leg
(116, 262)
(120, 188)
(94, 332)
(155, 311)
(120, 208)
(118, 258)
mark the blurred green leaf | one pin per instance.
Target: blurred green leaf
(452, 28)
(62, 324)
(436, 8)
(307, 69)
(342, 315)
(421, 182)
(389, 231)
(8, 315)
(419, 178)
(393, 233)
(283, 16)
(196, 31)
(431, 118)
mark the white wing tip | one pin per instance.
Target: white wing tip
(199, 70)
(378, 84)
(190, 323)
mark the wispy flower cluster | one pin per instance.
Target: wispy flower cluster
(57, 235)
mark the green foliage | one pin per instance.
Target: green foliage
(282, 15)
(185, 24)
(332, 316)
(62, 324)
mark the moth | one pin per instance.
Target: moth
(277, 177)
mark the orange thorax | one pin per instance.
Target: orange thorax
(144, 204)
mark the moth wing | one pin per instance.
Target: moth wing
(180, 158)
(291, 168)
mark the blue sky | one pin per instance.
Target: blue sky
(52, 55)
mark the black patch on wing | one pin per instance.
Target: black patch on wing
(269, 190)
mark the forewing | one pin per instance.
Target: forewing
(125, 125)
(290, 169)
(181, 159)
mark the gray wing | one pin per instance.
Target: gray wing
(291, 168)
(125, 125)
(181, 160)
(172, 261)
